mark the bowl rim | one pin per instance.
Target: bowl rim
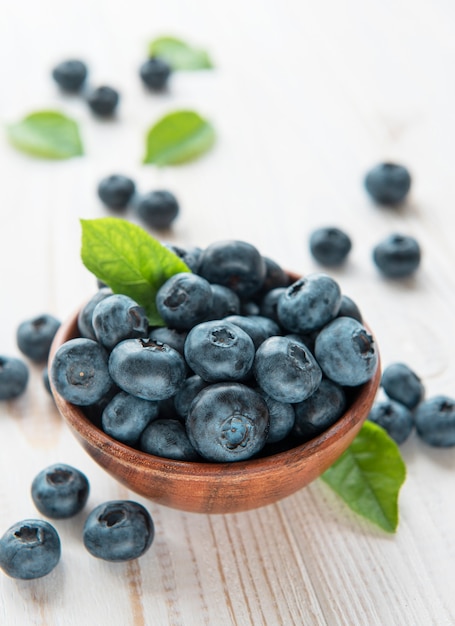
(90, 434)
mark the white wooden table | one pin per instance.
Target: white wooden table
(306, 96)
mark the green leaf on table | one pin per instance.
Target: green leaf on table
(46, 134)
(369, 475)
(128, 260)
(178, 137)
(179, 54)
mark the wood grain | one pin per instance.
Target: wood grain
(305, 98)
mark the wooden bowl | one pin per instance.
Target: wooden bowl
(215, 487)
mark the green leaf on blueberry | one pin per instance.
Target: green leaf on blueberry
(47, 135)
(179, 54)
(368, 476)
(129, 260)
(178, 137)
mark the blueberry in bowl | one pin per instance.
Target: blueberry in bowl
(205, 444)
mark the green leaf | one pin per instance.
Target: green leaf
(128, 260)
(178, 137)
(179, 54)
(368, 476)
(46, 134)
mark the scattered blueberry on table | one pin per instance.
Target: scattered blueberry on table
(397, 256)
(155, 73)
(116, 191)
(60, 491)
(103, 101)
(388, 183)
(330, 245)
(34, 336)
(158, 209)
(14, 375)
(29, 549)
(70, 75)
(394, 417)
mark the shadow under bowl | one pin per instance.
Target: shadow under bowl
(214, 487)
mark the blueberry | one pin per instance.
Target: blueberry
(158, 209)
(320, 411)
(275, 276)
(84, 318)
(118, 317)
(126, 416)
(435, 421)
(234, 264)
(116, 191)
(225, 302)
(219, 351)
(184, 300)
(388, 183)
(35, 336)
(269, 303)
(167, 438)
(155, 73)
(397, 256)
(186, 394)
(259, 328)
(29, 549)
(400, 383)
(395, 418)
(286, 370)
(349, 308)
(171, 336)
(14, 376)
(103, 101)
(330, 245)
(79, 371)
(282, 418)
(60, 491)
(190, 256)
(228, 422)
(309, 303)
(70, 75)
(147, 369)
(118, 530)
(346, 352)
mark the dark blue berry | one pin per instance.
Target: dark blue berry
(330, 245)
(190, 256)
(147, 369)
(259, 328)
(70, 75)
(234, 264)
(116, 191)
(309, 303)
(400, 383)
(29, 549)
(435, 421)
(397, 256)
(79, 371)
(158, 209)
(60, 491)
(14, 376)
(103, 101)
(118, 317)
(269, 303)
(35, 336)
(186, 394)
(125, 417)
(349, 308)
(388, 183)
(225, 302)
(118, 530)
(219, 351)
(320, 411)
(346, 352)
(228, 422)
(184, 300)
(286, 370)
(155, 73)
(395, 418)
(171, 336)
(84, 318)
(168, 438)
(275, 276)
(282, 418)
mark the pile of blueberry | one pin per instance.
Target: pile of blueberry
(398, 255)
(117, 530)
(405, 408)
(157, 209)
(71, 77)
(247, 359)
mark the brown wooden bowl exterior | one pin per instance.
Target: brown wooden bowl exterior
(214, 487)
